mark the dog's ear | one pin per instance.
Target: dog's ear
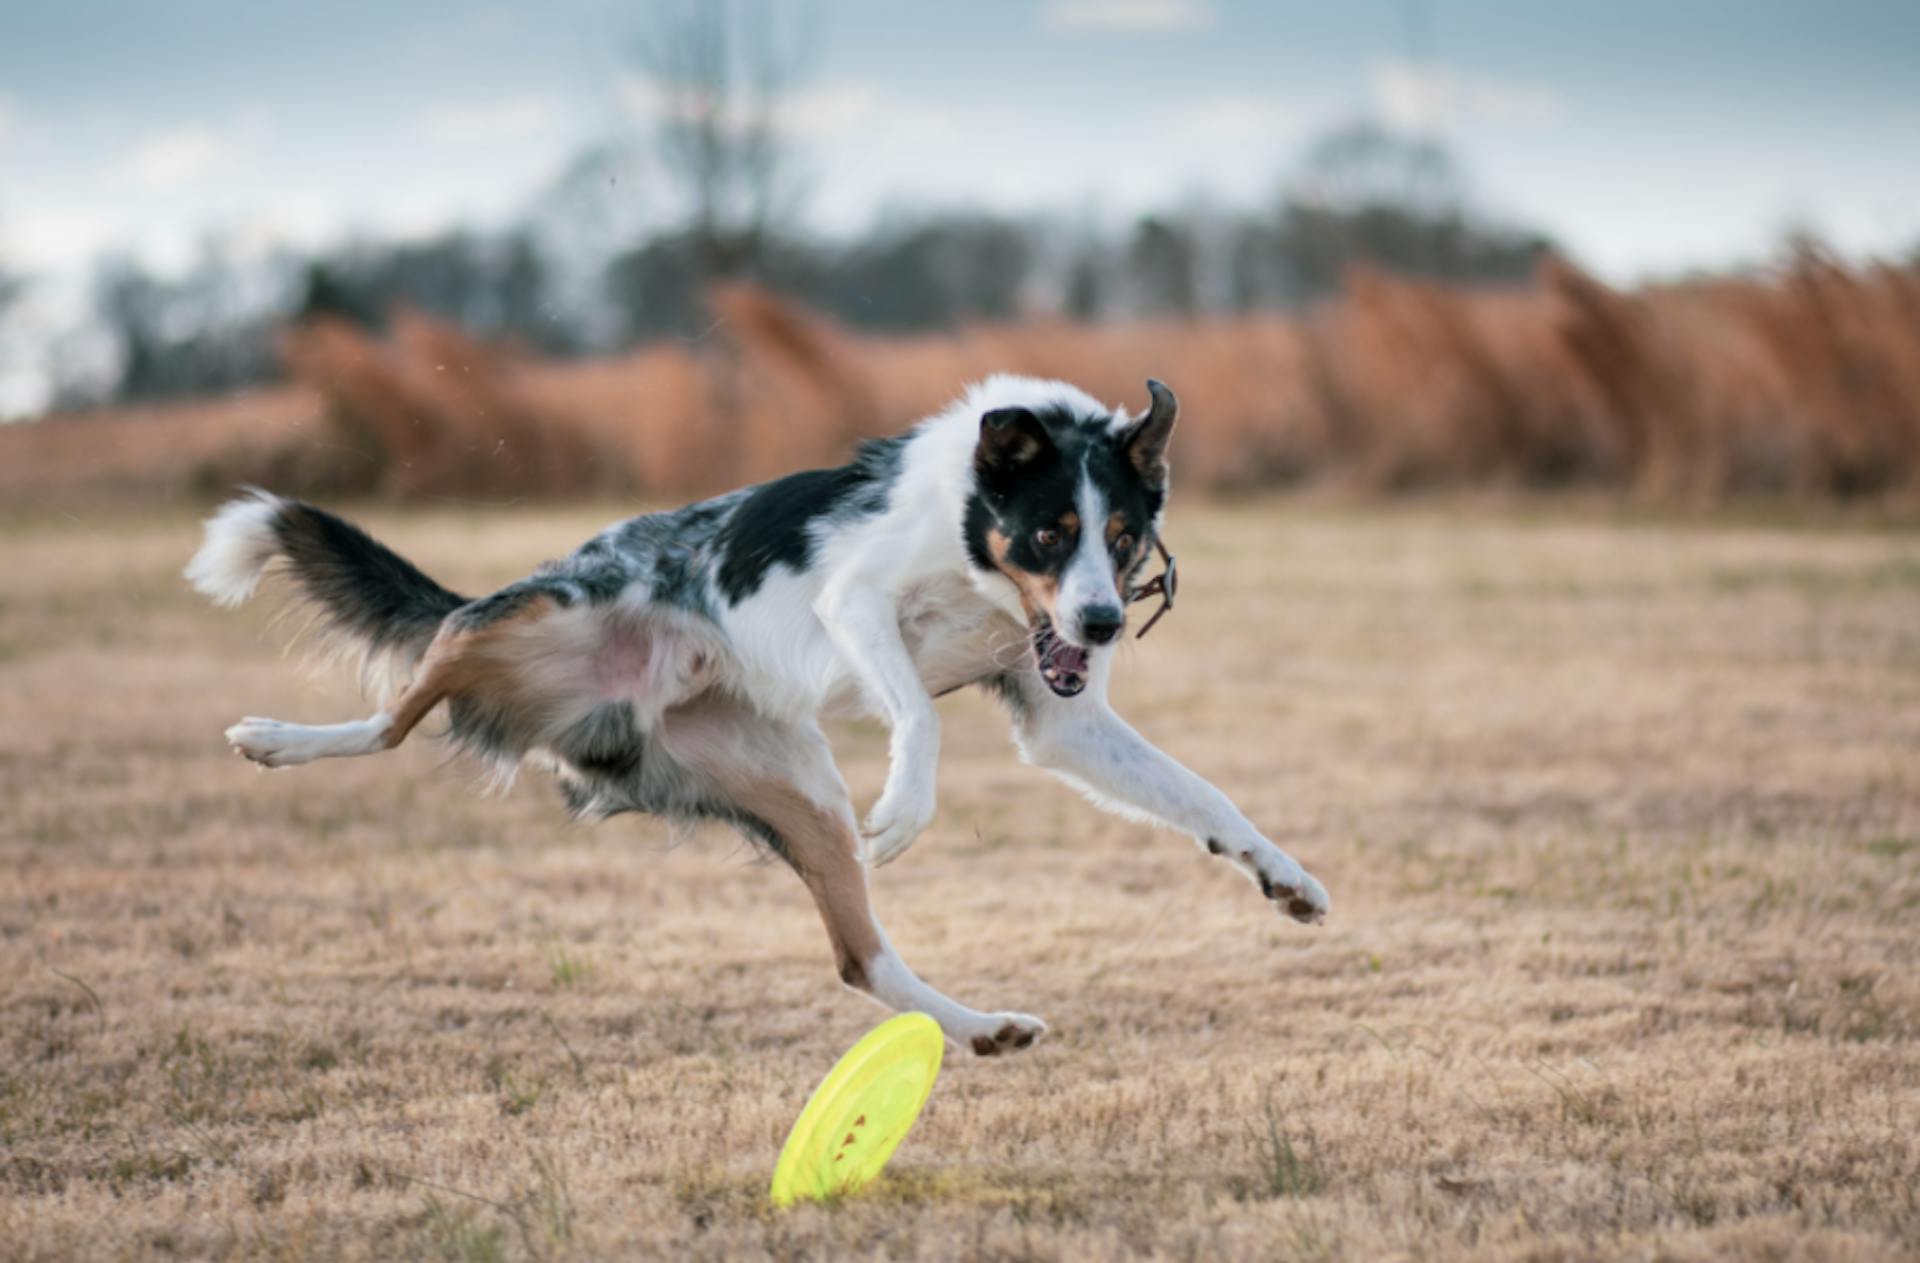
(1010, 438)
(1145, 441)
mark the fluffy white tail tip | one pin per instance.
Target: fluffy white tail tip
(240, 542)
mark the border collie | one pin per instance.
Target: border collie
(679, 662)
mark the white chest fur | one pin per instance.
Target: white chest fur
(956, 636)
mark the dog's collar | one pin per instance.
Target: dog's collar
(1165, 585)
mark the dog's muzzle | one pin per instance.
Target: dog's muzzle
(1064, 666)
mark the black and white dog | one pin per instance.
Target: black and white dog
(679, 663)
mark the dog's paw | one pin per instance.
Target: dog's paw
(1280, 878)
(1005, 1033)
(904, 810)
(267, 742)
(1305, 899)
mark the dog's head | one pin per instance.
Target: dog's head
(1066, 505)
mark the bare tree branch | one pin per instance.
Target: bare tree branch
(721, 73)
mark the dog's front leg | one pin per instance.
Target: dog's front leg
(865, 627)
(1082, 741)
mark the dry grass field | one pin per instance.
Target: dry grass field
(1621, 822)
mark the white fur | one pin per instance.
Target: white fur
(1083, 742)
(1089, 580)
(900, 989)
(271, 743)
(238, 547)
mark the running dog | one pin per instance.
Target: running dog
(679, 663)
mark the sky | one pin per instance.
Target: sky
(1649, 138)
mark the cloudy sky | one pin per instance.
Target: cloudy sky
(1649, 136)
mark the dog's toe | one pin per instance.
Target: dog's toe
(260, 741)
(1305, 900)
(1014, 1032)
(1291, 888)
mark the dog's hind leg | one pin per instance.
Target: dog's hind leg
(482, 660)
(781, 778)
(271, 743)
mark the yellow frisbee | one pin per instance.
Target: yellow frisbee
(860, 1112)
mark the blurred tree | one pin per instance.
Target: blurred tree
(1255, 275)
(328, 292)
(656, 288)
(603, 201)
(523, 297)
(209, 329)
(449, 275)
(600, 204)
(16, 351)
(719, 77)
(493, 287)
(1085, 296)
(12, 286)
(927, 273)
(129, 303)
(1363, 164)
(1164, 262)
(1367, 195)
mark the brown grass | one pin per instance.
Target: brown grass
(440, 413)
(1804, 383)
(1621, 822)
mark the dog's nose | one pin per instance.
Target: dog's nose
(1101, 623)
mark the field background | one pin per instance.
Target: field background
(1799, 384)
(1620, 816)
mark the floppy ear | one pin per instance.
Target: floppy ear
(1145, 443)
(1009, 439)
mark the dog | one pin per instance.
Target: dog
(679, 663)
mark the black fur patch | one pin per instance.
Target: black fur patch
(679, 582)
(674, 551)
(756, 830)
(365, 588)
(597, 572)
(606, 743)
(483, 730)
(609, 767)
(1023, 499)
(668, 794)
(772, 524)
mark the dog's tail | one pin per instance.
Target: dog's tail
(370, 600)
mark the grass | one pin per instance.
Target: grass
(1620, 826)
(567, 969)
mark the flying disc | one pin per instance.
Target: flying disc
(860, 1112)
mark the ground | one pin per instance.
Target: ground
(1621, 822)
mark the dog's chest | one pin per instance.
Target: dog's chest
(956, 636)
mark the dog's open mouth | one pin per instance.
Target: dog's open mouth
(1062, 666)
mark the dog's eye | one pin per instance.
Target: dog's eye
(1123, 545)
(1047, 537)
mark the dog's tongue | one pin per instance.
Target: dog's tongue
(1064, 667)
(1068, 659)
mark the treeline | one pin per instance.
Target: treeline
(1360, 196)
(1802, 381)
